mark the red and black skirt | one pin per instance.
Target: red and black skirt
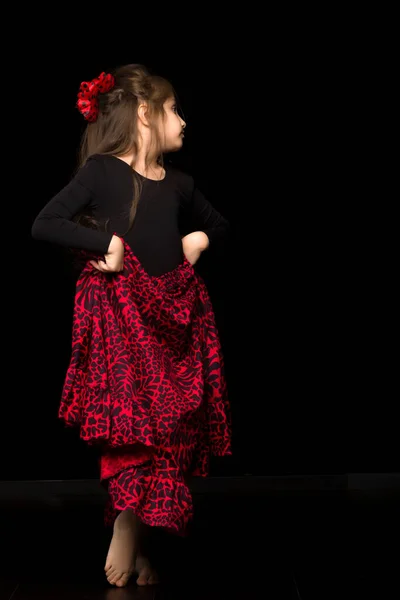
(146, 383)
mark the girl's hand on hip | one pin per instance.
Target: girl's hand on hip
(114, 259)
(194, 244)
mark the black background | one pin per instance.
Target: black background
(273, 140)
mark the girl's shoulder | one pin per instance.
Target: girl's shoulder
(105, 167)
(182, 181)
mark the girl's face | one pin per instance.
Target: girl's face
(172, 127)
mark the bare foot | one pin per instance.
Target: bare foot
(121, 556)
(147, 575)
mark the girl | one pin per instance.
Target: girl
(146, 377)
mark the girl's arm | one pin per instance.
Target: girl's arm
(204, 217)
(54, 222)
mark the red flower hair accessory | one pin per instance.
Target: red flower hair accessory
(88, 104)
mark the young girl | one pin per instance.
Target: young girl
(146, 377)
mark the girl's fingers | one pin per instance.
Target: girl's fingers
(99, 266)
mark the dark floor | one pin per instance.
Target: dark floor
(248, 543)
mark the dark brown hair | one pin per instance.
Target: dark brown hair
(115, 130)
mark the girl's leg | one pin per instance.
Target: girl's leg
(127, 553)
(121, 557)
(146, 573)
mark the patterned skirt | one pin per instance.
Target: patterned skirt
(146, 384)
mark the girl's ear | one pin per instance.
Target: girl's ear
(142, 114)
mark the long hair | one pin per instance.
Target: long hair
(115, 130)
